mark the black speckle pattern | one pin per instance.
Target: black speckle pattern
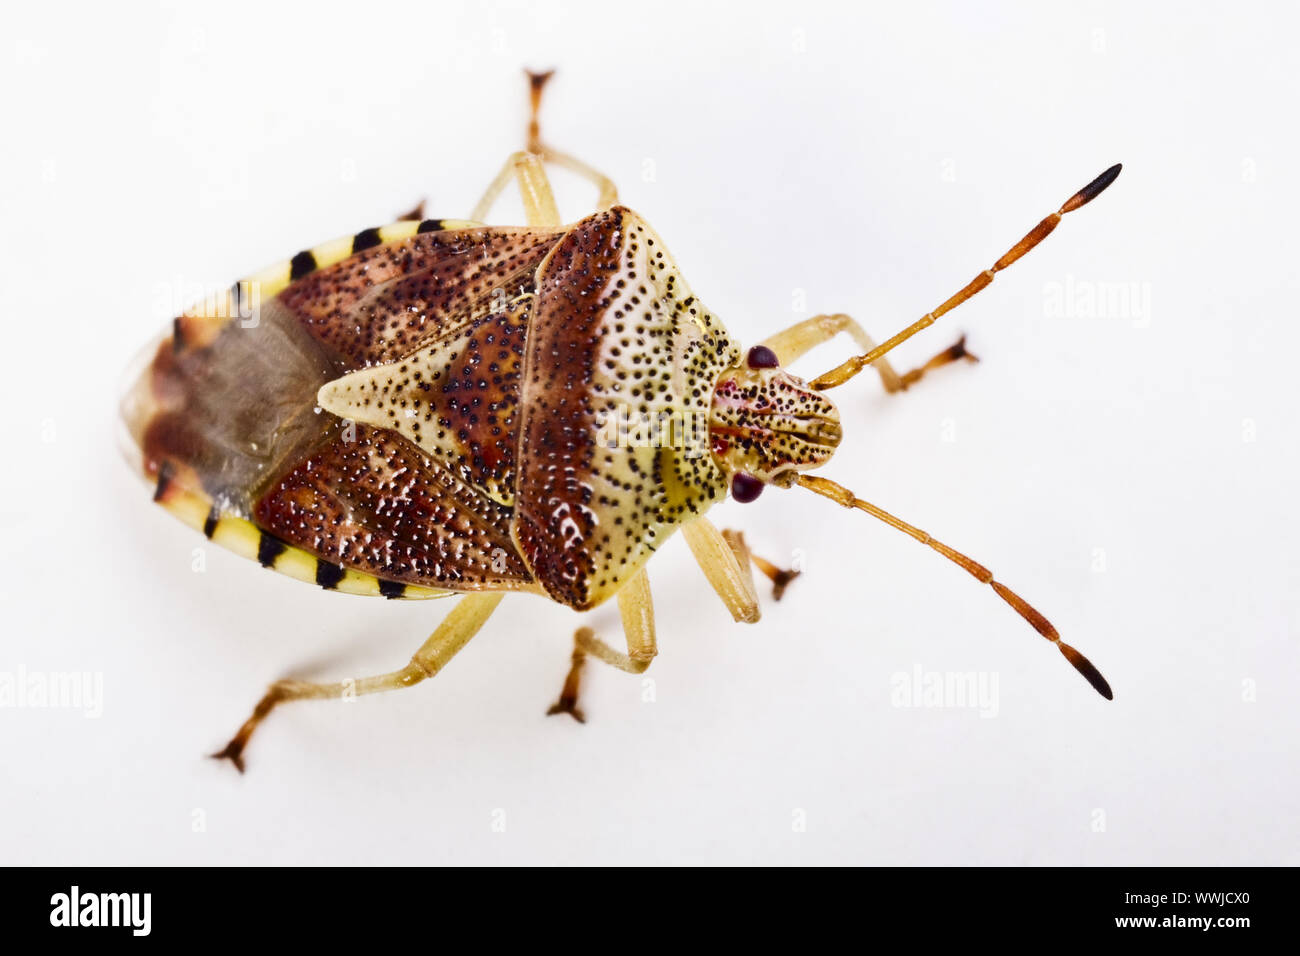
(767, 424)
(383, 304)
(392, 589)
(210, 522)
(365, 239)
(304, 263)
(455, 398)
(269, 547)
(375, 502)
(165, 471)
(617, 337)
(328, 575)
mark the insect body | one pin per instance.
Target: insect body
(442, 407)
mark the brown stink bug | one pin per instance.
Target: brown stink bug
(441, 407)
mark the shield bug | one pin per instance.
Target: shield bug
(442, 407)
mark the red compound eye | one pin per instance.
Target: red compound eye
(745, 488)
(760, 356)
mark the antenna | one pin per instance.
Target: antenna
(844, 372)
(841, 495)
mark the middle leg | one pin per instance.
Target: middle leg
(636, 608)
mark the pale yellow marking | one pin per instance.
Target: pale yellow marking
(237, 535)
(270, 282)
(297, 564)
(328, 253)
(396, 231)
(188, 507)
(273, 280)
(244, 539)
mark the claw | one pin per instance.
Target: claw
(567, 705)
(415, 215)
(958, 351)
(536, 83)
(952, 353)
(234, 752)
(780, 581)
(780, 577)
(537, 78)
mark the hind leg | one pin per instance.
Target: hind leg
(464, 621)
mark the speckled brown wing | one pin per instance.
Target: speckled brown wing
(384, 303)
(227, 411)
(457, 397)
(368, 499)
(619, 370)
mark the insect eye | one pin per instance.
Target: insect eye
(760, 356)
(745, 488)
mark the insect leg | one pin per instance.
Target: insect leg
(464, 621)
(414, 215)
(539, 201)
(780, 577)
(528, 170)
(725, 562)
(608, 191)
(846, 370)
(636, 608)
(793, 342)
(527, 167)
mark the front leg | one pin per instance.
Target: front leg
(725, 562)
(800, 338)
(780, 577)
(725, 559)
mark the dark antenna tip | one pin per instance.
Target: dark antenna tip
(1088, 670)
(1094, 189)
(537, 78)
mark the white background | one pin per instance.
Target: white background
(1131, 474)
